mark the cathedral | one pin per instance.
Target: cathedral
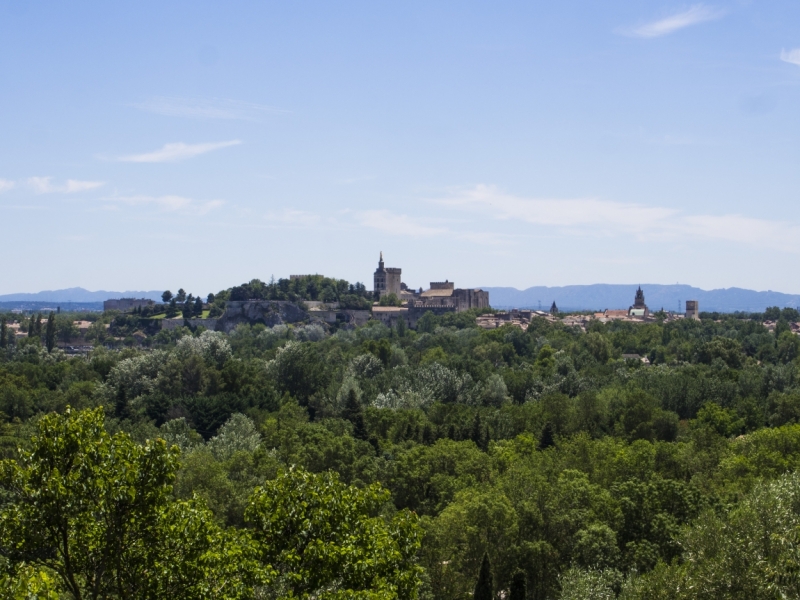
(386, 280)
(639, 308)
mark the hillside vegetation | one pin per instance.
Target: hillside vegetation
(303, 462)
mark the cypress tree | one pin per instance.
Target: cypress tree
(483, 588)
(3, 332)
(547, 437)
(31, 327)
(518, 587)
(478, 435)
(50, 333)
(401, 327)
(428, 435)
(354, 412)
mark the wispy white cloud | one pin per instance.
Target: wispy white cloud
(178, 151)
(404, 225)
(591, 216)
(791, 56)
(698, 13)
(44, 185)
(168, 203)
(207, 108)
(294, 218)
(578, 212)
(6, 185)
(396, 224)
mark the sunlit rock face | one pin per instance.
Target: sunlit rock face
(268, 312)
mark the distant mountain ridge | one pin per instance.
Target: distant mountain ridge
(78, 294)
(571, 297)
(601, 296)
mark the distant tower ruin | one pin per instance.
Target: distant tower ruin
(692, 309)
(386, 280)
(554, 309)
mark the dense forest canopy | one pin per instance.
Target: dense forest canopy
(375, 462)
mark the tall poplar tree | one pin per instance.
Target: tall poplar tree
(50, 333)
(3, 332)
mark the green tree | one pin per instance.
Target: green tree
(180, 297)
(354, 412)
(478, 433)
(390, 300)
(50, 333)
(483, 588)
(401, 327)
(328, 540)
(3, 332)
(166, 297)
(547, 438)
(198, 307)
(97, 510)
(427, 323)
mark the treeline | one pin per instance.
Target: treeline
(306, 287)
(540, 459)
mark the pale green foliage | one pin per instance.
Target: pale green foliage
(273, 335)
(133, 377)
(493, 392)
(313, 332)
(588, 585)
(284, 357)
(349, 383)
(238, 434)
(213, 346)
(179, 433)
(329, 541)
(365, 366)
(399, 358)
(422, 387)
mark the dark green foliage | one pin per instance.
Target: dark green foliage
(3, 332)
(518, 590)
(306, 287)
(646, 455)
(478, 433)
(354, 412)
(50, 333)
(484, 586)
(547, 438)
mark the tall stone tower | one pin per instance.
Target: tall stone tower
(386, 280)
(692, 309)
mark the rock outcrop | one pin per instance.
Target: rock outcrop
(267, 312)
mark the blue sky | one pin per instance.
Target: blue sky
(156, 145)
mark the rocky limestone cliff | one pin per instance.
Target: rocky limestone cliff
(268, 312)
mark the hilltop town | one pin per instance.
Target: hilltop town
(329, 302)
